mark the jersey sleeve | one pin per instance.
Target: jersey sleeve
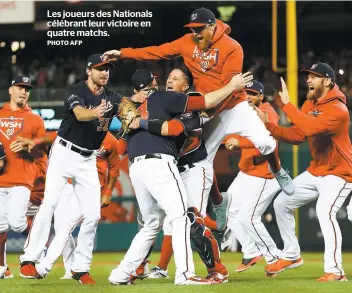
(40, 129)
(114, 159)
(233, 64)
(190, 121)
(74, 99)
(164, 51)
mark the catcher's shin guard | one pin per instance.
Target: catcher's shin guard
(205, 243)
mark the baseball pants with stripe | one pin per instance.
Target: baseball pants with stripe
(331, 192)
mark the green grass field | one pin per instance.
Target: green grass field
(296, 280)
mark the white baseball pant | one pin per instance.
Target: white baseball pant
(66, 216)
(197, 181)
(242, 120)
(64, 164)
(250, 198)
(349, 210)
(331, 192)
(159, 190)
(13, 208)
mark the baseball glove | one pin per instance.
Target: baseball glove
(127, 112)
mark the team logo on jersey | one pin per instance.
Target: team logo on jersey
(108, 107)
(11, 126)
(315, 113)
(207, 59)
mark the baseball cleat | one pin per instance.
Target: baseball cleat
(195, 280)
(248, 262)
(222, 210)
(118, 277)
(285, 182)
(28, 270)
(8, 274)
(157, 273)
(2, 272)
(283, 264)
(330, 277)
(217, 278)
(66, 276)
(270, 275)
(83, 277)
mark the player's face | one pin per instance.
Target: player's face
(19, 95)
(99, 75)
(315, 86)
(203, 35)
(177, 81)
(254, 98)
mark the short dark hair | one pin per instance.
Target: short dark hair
(187, 74)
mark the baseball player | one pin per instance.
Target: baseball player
(16, 118)
(213, 59)
(154, 172)
(89, 109)
(252, 191)
(197, 174)
(324, 121)
(67, 214)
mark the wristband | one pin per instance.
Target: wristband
(152, 125)
(143, 123)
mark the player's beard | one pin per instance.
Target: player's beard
(203, 44)
(316, 93)
(20, 103)
(100, 82)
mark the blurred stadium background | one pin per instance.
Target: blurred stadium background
(323, 34)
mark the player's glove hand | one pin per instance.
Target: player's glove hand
(126, 113)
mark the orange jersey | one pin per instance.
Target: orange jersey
(109, 160)
(20, 168)
(37, 193)
(252, 162)
(326, 125)
(211, 69)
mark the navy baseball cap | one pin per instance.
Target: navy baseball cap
(201, 17)
(322, 70)
(96, 60)
(255, 86)
(22, 81)
(141, 78)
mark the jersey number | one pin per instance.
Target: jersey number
(103, 124)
